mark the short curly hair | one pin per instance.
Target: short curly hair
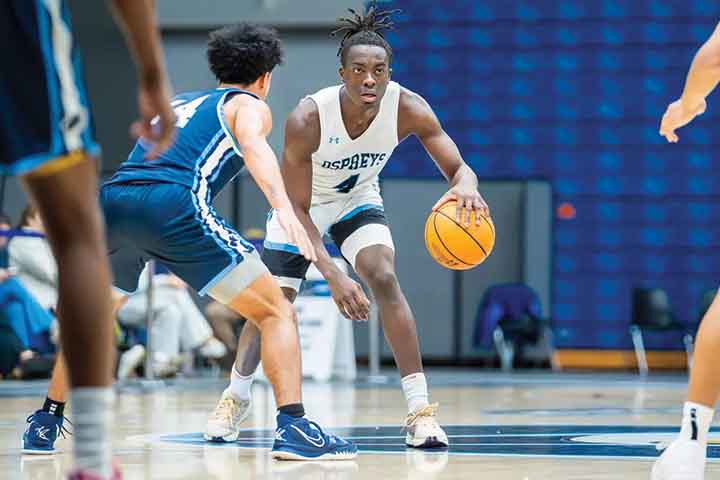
(244, 52)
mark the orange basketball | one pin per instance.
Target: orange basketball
(454, 245)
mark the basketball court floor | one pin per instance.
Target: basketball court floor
(520, 426)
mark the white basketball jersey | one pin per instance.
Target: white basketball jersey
(342, 166)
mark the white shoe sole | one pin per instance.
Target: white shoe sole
(27, 451)
(429, 442)
(229, 438)
(38, 453)
(281, 455)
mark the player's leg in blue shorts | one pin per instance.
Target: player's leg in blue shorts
(45, 120)
(172, 225)
(175, 226)
(46, 138)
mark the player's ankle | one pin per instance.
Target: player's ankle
(696, 422)
(92, 415)
(296, 410)
(53, 407)
(240, 385)
(414, 387)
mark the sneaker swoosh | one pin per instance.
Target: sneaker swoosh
(318, 442)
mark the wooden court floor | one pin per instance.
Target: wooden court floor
(522, 426)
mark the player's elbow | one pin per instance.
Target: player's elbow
(708, 57)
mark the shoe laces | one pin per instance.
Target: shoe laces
(319, 429)
(226, 409)
(428, 411)
(62, 430)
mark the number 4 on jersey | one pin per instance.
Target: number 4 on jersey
(184, 111)
(348, 184)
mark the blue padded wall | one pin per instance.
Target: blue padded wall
(572, 92)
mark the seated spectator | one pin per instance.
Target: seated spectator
(10, 350)
(30, 322)
(178, 323)
(24, 324)
(5, 233)
(33, 261)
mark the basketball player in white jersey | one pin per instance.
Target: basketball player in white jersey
(336, 143)
(685, 458)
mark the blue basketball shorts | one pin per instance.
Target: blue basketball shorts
(167, 222)
(44, 112)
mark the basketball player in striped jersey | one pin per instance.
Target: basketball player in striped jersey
(685, 458)
(46, 139)
(163, 210)
(336, 143)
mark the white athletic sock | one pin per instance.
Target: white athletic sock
(416, 392)
(239, 385)
(696, 422)
(92, 409)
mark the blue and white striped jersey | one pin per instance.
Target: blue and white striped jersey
(205, 155)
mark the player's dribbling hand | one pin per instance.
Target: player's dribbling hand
(296, 232)
(349, 297)
(157, 118)
(679, 114)
(468, 200)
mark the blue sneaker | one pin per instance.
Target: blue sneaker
(301, 439)
(41, 433)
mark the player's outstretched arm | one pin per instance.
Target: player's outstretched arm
(702, 79)
(137, 17)
(302, 138)
(251, 121)
(417, 117)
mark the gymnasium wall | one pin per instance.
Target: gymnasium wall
(572, 92)
(564, 91)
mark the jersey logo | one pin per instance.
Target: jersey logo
(359, 160)
(335, 140)
(318, 442)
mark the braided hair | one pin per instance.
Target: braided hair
(365, 30)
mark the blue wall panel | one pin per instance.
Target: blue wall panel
(572, 92)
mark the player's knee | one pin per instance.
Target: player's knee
(382, 280)
(281, 312)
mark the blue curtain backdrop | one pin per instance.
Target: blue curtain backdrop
(572, 92)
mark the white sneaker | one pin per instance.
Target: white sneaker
(212, 348)
(224, 423)
(129, 361)
(682, 460)
(423, 431)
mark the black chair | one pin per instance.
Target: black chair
(511, 315)
(651, 312)
(705, 302)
